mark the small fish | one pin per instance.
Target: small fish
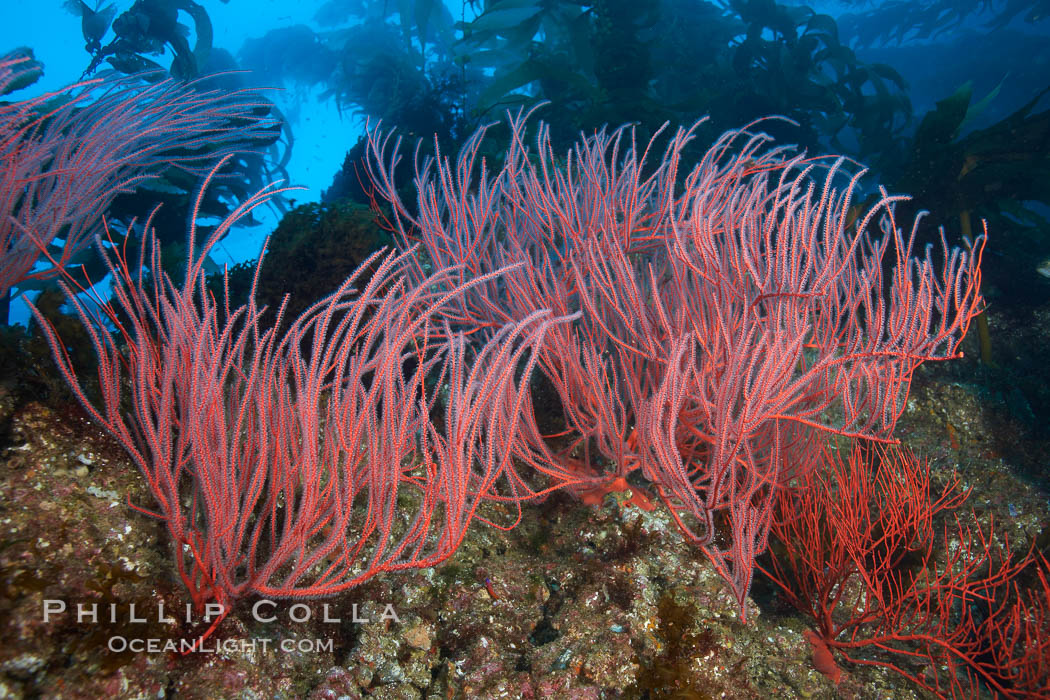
(823, 660)
(93, 22)
(1044, 268)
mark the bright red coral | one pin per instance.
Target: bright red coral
(860, 549)
(302, 463)
(713, 328)
(729, 313)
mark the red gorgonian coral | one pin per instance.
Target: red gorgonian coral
(65, 156)
(299, 463)
(730, 312)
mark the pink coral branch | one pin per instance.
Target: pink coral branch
(303, 463)
(65, 156)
